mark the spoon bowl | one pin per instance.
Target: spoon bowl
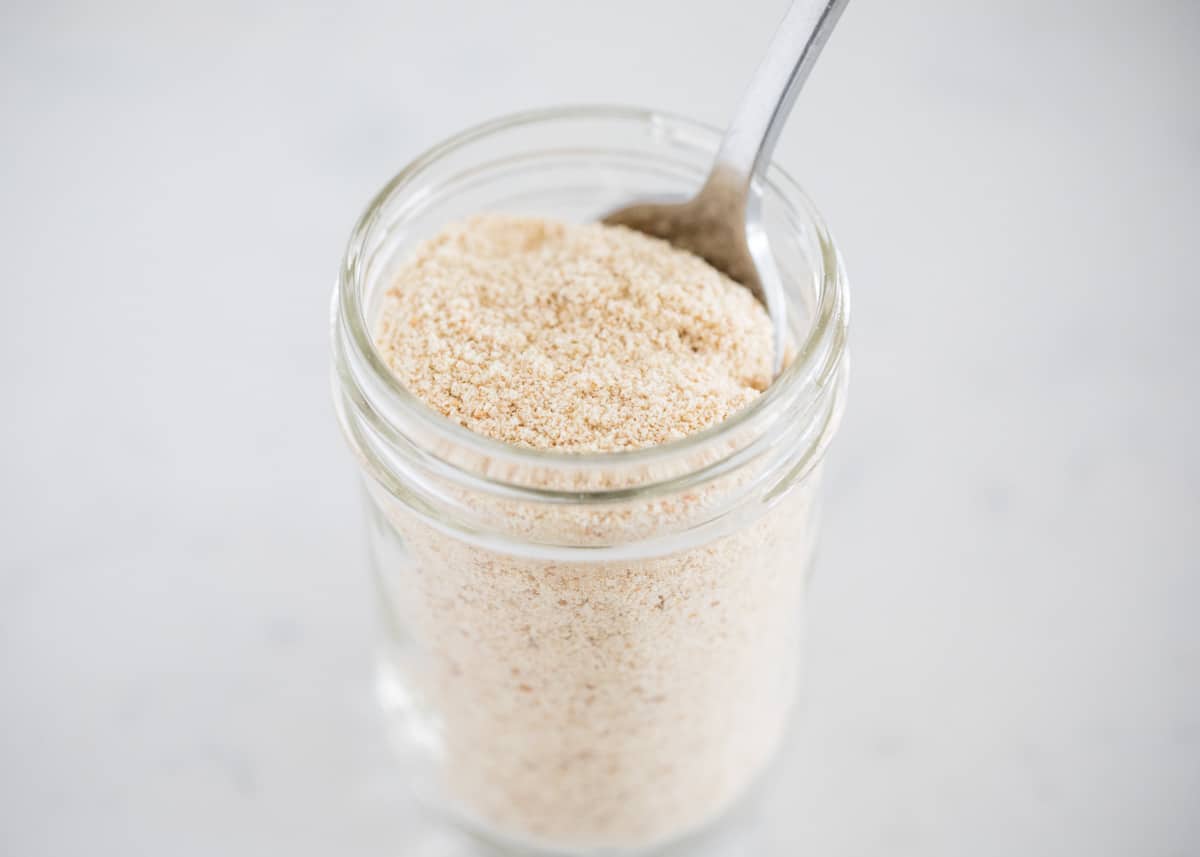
(721, 223)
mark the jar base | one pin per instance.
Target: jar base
(413, 733)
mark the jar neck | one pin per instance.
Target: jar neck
(468, 483)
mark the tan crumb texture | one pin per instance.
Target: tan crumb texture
(572, 337)
(599, 704)
(586, 703)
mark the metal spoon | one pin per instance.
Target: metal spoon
(722, 223)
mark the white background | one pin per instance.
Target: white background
(1005, 652)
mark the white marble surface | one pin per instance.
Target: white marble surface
(1005, 655)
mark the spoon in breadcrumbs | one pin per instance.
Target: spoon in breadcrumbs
(722, 223)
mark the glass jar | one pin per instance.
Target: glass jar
(587, 651)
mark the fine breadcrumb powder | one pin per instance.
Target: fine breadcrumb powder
(572, 337)
(586, 704)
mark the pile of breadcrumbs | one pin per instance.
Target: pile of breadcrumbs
(574, 338)
(589, 703)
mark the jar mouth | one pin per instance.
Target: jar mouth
(814, 369)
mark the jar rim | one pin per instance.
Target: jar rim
(815, 364)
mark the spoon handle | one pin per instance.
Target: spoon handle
(767, 101)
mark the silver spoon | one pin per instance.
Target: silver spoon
(722, 223)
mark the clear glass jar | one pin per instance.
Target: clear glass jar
(588, 651)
